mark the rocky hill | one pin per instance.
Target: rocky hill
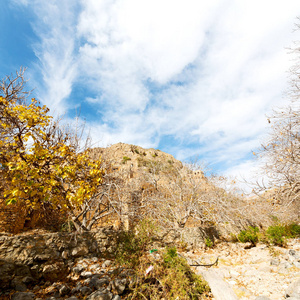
(156, 184)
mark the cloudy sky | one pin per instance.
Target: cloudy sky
(189, 77)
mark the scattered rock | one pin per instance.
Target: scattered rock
(119, 285)
(23, 296)
(80, 251)
(100, 295)
(106, 264)
(293, 290)
(64, 290)
(85, 290)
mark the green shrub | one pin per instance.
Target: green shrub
(134, 243)
(209, 243)
(292, 230)
(67, 226)
(125, 159)
(276, 235)
(249, 235)
(170, 276)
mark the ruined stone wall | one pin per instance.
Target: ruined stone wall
(51, 256)
(12, 217)
(48, 256)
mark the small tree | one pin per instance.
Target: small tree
(281, 156)
(281, 152)
(40, 162)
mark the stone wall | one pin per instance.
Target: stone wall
(33, 248)
(48, 256)
(12, 217)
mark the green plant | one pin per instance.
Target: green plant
(67, 226)
(183, 245)
(125, 159)
(275, 220)
(276, 235)
(136, 151)
(209, 243)
(249, 235)
(170, 278)
(133, 243)
(292, 230)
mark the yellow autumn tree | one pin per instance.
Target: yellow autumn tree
(40, 163)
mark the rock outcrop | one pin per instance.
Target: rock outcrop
(259, 273)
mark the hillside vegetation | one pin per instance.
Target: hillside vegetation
(51, 178)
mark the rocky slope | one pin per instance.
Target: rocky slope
(258, 273)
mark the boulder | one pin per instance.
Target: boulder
(293, 290)
(100, 295)
(23, 296)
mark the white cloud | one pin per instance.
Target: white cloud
(205, 72)
(56, 68)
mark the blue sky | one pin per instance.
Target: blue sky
(188, 77)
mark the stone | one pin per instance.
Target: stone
(106, 264)
(64, 290)
(100, 295)
(51, 290)
(274, 262)
(85, 290)
(54, 271)
(116, 297)
(65, 255)
(119, 285)
(18, 285)
(22, 270)
(293, 290)
(94, 267)
(77, 288)
(220, 289)
(79, 268)
(262, 298)
(72, 298)
(86, 274)
(98, 283)
(23, 296)
(28, 280)
(79, 251)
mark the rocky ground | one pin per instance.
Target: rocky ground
(89, 278)
(258, 273)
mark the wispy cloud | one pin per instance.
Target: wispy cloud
(56, 67)
(203, 72)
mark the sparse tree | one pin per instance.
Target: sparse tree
(280, 154)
